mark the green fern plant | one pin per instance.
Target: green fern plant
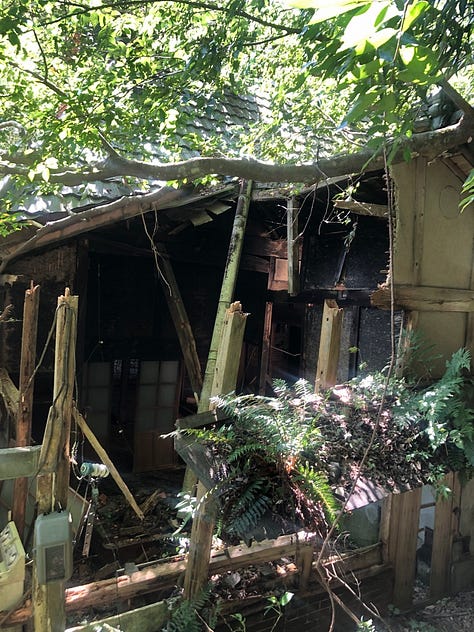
(263, 471)
(192, 615)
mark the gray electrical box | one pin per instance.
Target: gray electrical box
(53, 547)
(12, 567)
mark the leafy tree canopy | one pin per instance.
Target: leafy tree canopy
(95, 89)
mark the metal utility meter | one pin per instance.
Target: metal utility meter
(12, 567)
(53, 547)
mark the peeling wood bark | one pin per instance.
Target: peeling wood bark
(25, 408)
(425, 299)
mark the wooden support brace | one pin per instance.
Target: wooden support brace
(329, 345)
(102, 454)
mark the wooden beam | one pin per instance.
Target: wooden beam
(25, 408)
(363, 208)
(266, 343)
(329, 345)
(104, 457)
(292, 235)
(425, 299)
(180, 320)
(403, 533)
(53, 484)
(19, 462)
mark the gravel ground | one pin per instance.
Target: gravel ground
(455, 614)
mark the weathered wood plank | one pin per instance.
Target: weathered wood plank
(425, 299)
(443, 534)
(19, 462)
(25, 408)
(230, 349)
(404, 518)
(52, 487)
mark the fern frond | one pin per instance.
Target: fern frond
(317, 487)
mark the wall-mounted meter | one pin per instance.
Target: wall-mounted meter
(12, 567)
(53, 547)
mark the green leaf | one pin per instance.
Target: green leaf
(413, 12)
(327, 9)
(286, 598)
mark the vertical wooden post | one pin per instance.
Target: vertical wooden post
(226, 295)
(181, 322)
(292, 236)
(225, 376)
(403, 533)
(329, 345)
(53, 482)
(25, 404)
(266, 343)
(443, 534)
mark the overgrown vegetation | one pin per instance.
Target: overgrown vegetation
(285, 461)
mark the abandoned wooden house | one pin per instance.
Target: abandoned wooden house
(309, 268)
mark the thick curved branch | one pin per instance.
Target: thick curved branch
(429, 144)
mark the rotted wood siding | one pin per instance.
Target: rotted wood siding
(434, 246)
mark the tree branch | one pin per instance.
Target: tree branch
(429, 144)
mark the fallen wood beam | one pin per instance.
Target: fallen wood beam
(362, 208)
(424, 299)
(102, 454)
(165, 575)
(19, 462)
